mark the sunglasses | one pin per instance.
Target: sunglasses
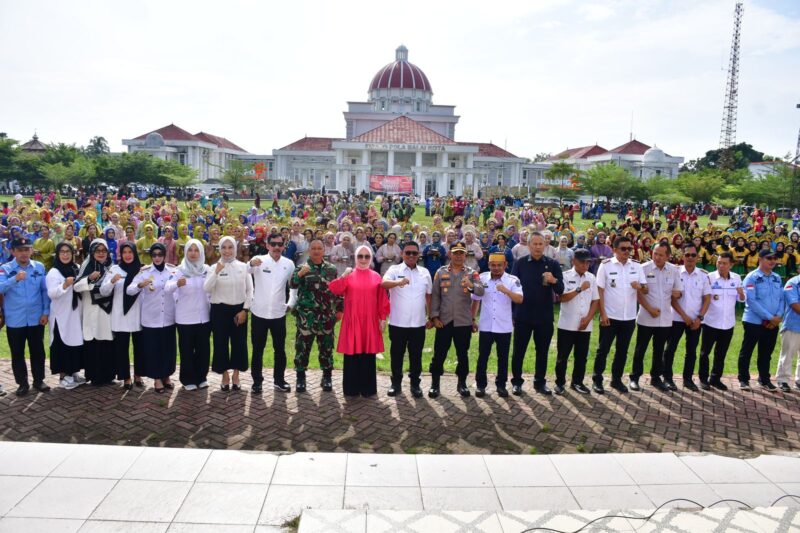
(276, 244)
(625, 248)
(363, 256)
(689, 255)
(411, 253)
(156, 254)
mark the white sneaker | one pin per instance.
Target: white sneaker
(2, 392)
(203, 385)
(190, 387)
(68, 383)
(80, 380)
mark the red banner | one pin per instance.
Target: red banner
(390, 184)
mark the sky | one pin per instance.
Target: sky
(531, 76)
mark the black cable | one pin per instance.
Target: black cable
(786, 496)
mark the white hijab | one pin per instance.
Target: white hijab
(233, 242)
(369, 251)
(193, 268)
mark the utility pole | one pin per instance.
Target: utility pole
(727, 136)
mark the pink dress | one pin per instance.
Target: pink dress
(365, 305)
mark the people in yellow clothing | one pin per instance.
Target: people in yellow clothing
(143, 244)
(740, 253)
(44, 249)
(183, 238)
(751, 262)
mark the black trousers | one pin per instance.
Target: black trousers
(17, 337)
(402, 339)
(258, 336)
(692, 339)
(644, 335)
(99, 362)
(358, 375)
(756, 334)
(719, 340)
(122, 364)
(160, 352)
(64, 359)
(230, 340)
(622, 331)
(566, 342)
(194, 345)
(485, 341)
(450, 334)
(542, 335)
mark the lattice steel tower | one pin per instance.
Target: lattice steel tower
(727, 136)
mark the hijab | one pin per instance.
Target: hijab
(90, 264)
(193, 268)
(68, 270)
(130, 269)
(232, 241)
(368, 249)
(159, 246)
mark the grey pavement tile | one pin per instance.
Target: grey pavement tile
(717, 469)
(325, 521)
(178, 527)
(656, 468)
(223, 503)
(104, 526)
(145, 500)
(383, 498)
(94, 461)
(310, 469)
(13, 489)
(433, 521)
(32, 458)
(271, 529)
(777, 468)
(381, 470)
(50, 525)
(63, 498)
(285, 502)
(460, 499)
(168, 464)
(790, 488)
(753, 494)
(591, 470)
(536, 498)
(453, 471)
(234, 466)
(617, 497)
(699, 492)
(518, 521)
(523, 471)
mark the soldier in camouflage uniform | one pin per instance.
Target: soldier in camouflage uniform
(317, 311)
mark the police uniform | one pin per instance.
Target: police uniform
(570, 337)
(495, 326)
(718, 323)
(764, 301)
(660, 284)
(619, 304)
(790, 336)
(696, 295)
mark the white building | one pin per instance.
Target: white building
(764, 168)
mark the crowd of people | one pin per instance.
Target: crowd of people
(162, 276)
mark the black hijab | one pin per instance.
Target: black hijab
(90, 264)
(130, 269)
(68, 270)
(159, 246)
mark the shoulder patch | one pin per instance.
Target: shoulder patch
(606, 260)
(634, 261)
(703, 271)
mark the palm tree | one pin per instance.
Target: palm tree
(97, 147)
(560, 171)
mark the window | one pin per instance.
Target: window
(452, 184)
(353, 161)
(182, 158)
(658, 172)
(352, 181)
(418, 106)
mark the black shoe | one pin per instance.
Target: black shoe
(392, 391)
(766, 385)
(784, 387)
(40, 386)
(516, 390)
(658, 384)
(416, 391)
(619, 386)
(797, 384)
(705, 385)
(480, 392)
(139, 384)
(300, 386)
(689, 384)
(670, 384)
(23, 390)
(598, 388)
(235, 387)
(744, 385)
(502, 392)
(433, 392)
(634, 385)
(256, 388)
(719, 385)
(226, 388)
(579, 388)
(559, 390)
(543, 389)
(170, 385)
(326, 384)
(127, 386)
(462, 389)
(282, 387)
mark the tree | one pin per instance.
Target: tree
(235, 175)
(8, 156)
(742, 154)
(61, 153)
(541, 156)
(97, 146)
(700, 186)
(613, 181)
(559, 172)
(177, 175)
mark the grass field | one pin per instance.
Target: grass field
(384, 364)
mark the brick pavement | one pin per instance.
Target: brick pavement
(733, 423)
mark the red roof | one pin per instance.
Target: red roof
(579, 153)
(222, 142)
(633, 147)
(400, 74)
(402, 130)
(489, 150)
(170, 133)
(312, 144)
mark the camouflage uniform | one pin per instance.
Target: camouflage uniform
(316, 314)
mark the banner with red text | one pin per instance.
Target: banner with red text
(390, 184)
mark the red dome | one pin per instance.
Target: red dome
(400, 74)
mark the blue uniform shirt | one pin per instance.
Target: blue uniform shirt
(764, 297)
(25, 301)
(791, 293)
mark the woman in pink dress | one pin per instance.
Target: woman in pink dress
(366, 306)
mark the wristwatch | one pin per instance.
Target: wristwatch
(701, 317)
(578, 290)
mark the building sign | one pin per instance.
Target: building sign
(405, 147)
(390, 184)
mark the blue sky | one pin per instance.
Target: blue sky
(535, 76)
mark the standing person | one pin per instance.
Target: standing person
(541, 279)
(410, 290)
(271, 275)
(342, 254)
(366, 306)
(600, 251)
(317, 311)
(654, 321)
(66, 339)
(495, 326)
(192, 315)
(688, 313)
(452, 317)
(126, 324)
(762, 316)
(619, 281)
(790, 336)
(157, 318)
(231, 288)
(26, 307)
(564, 254)
(388, 254)
(96, 324)
(579, 304)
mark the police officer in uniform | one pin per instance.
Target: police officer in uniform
(654, 320)
(763, 313)
(579, 304)
(688, 312)
(495, 325)
(451, 315)
(619, 281)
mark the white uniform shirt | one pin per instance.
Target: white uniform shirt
(62, 314)
(270, 280)
(407, 304)
(158, 307)
(695, 286)
(619, 298)
(496, 316)
(232, 286)
(192, 302)
(95, 323)
(660, 284)
(120, 320)
(721, 312)
(569, 318)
